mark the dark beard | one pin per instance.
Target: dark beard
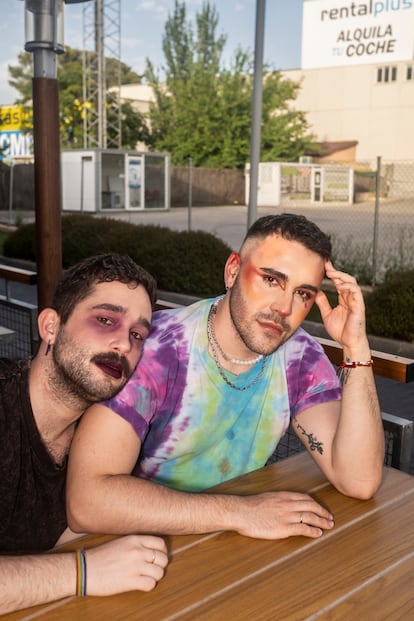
(239, 315)
(71, 378)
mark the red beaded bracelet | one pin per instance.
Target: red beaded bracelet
(345, 367)
(354, 363)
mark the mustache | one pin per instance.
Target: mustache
(274, 318)
(114, 358)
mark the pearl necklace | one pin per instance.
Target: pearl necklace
(215, 347)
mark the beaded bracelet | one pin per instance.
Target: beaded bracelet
(352, 364)
(80, 573)
(345, 367)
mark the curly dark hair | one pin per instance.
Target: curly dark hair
(293, 227)
(78, 281)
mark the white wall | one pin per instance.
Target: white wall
(79, 181)
(347, 103)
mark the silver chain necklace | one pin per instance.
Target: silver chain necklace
(215, 347)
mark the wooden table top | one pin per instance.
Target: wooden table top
(362, 569)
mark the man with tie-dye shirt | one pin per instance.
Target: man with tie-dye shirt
(217, 387)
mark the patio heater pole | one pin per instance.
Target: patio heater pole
(44, 33)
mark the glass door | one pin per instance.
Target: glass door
(135, 185)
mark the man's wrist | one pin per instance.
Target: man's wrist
(360, 352)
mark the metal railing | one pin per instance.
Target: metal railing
(20, 320)
(19, 336)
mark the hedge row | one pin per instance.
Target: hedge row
(390, 307)
(181, 261)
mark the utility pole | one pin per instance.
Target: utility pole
(101, 39)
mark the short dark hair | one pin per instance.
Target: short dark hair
(293, 227)
(78, 281)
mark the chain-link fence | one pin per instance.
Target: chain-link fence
(367, 208)
(373, 233)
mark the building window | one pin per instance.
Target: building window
(410, 72)
(386, 74)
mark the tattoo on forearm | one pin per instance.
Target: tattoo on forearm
(313, 442)
(343, 375)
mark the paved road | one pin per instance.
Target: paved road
(229, 222)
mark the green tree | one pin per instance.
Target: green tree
(284, 131)
(71, 104)
(186, 115)
(21, 77)
(202, 110)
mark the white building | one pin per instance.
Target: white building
(357, 75)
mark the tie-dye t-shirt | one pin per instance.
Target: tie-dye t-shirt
(197, 431)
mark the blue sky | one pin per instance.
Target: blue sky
(142, 28)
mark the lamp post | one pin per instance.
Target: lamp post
(256, 112)
(44, 38)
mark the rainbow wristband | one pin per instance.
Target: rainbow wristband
(80, 573)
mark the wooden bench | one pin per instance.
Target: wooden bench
(387, 365)
(16, 274)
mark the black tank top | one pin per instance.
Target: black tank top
(32, 486)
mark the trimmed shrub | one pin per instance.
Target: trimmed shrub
(21, 244)
(390, 307)
(184, 262)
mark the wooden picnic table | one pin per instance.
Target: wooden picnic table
(362, 569)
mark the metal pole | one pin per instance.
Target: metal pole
(82, 182)
(256, 113)
(190, 191)
(101, 79)
(376, 221)
(11, 183)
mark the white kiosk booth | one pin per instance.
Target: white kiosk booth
(283, 183)
(96, 180)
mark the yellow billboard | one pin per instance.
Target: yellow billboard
(13, 118)
(15, 136)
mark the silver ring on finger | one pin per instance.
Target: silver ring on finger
(153, 557)
(301, 518)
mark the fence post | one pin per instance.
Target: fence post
(376, 218)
